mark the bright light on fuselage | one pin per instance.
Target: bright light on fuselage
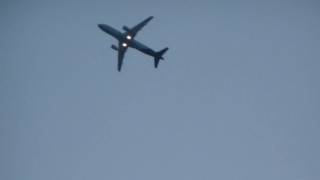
(124, 44)
(129, 37)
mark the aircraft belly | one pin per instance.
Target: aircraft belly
(143, 48)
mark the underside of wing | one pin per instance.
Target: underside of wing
(133, 31)
(121, 51)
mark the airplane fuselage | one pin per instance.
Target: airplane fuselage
(126, 40)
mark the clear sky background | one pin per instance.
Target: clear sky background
(236, 98)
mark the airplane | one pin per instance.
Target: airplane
(127, 39)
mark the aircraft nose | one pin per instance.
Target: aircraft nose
(100, 26)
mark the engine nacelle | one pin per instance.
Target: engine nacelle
(126, 28)
(114, 47)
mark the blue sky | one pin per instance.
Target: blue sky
(236, 98)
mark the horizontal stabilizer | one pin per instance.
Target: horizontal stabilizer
(160, 53)
(159, 56)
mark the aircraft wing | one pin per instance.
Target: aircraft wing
(134, 30)
(121, 51)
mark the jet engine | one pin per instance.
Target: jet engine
(126, 28)
(114, 47)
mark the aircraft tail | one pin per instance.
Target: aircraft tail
(158, 56)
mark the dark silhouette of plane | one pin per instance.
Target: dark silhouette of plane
(126, 40)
